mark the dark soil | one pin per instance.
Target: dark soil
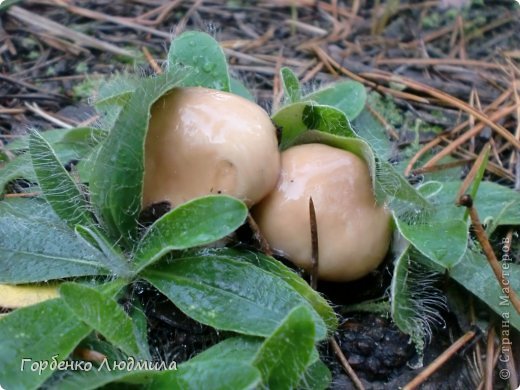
(58, 74)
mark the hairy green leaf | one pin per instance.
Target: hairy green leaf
(291, 85)
(45, 332)
(415, 302)
(443, 241)
(194, 223)
(58, 188)
(239, 348)
(283, 356)
(205, 58)
(295, 119)
(35, 245)
(18, 168)
(229, 294)
(317, 376)
(117, 177)
(348, 96)
(102, 313)
(475, 274)
(275, 267)
(114, 259)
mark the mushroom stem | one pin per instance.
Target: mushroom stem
(315, 256)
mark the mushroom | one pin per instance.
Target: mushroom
(353, 232)
(202, 141)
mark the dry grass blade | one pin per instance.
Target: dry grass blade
(437, 363)
(41, 23)
(436, 141)
(473, 172)
(468, 135)
(448, 99)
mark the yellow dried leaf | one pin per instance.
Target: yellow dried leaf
(14, 296)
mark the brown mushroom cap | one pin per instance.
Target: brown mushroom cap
(353, 232)
(202, 141)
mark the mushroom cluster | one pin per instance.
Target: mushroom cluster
(202, 141)
(353, 232)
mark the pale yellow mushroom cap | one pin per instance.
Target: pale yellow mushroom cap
(202, 141)
(353, 232)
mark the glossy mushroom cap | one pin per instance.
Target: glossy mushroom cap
(201, 141)
(353, 232)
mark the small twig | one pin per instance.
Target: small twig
(468, 134)
(440, 167)
(57, 29)
(22, 195)
(441, 359)
(89, 355)
(38, 111)
(490, 348)
(448, 99)
(466, 201)
(315, 255)
(388, 127)
(151, 60)
(264, 245)
(343, 360)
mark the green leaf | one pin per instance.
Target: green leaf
(211, 375)
(402, 197)
(117, 178)
(290, 119)
(39, 333)
(275, 267)
(403, 305)
(229, 294)
(240, 348)
(75, 138)
(245, 349)
(348, 96)
(295, 119)
(443, 241)
(415, 302)
(475, 274)
(114, 259)
(140, 322)
(117, 90)
(200, 52)
(327, 119)
(35, 245)
(101, 313)
(58, 188)
(283, 356)
(18, 168)
(494, 202)
(317, 376)
(113, 95)
(194, 223)
(238, 88)
(291, 85)
(7, 4)
(69, 144)
(371, 130)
